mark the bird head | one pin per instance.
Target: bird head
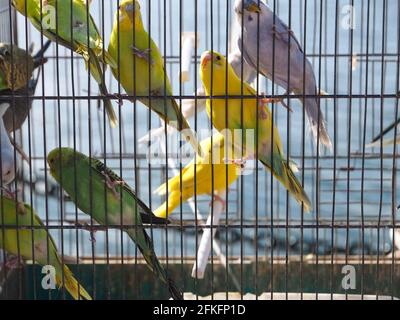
(213, 70)
(5, 51)
(129, 10)
(61, 159)
(247, 5)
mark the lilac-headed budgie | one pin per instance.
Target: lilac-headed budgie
(276, 39)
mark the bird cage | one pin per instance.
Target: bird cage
(250, 239)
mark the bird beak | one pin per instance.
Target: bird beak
(252, 6)
(206, 57)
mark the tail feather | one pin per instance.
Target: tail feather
(97, 73)
(285, 175)
(173, 202)
(72, 286)
(315, 115)
(38, 59)
(187, 131)
(152, 262)
(161, 190)
(385, 143)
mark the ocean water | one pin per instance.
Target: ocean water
(356, 71)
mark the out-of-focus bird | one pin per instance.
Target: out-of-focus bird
(23, 234)
(16, 67)
(258, 51)
(79, 34)
(100, 193)
(18, 111)
(203, 175)
(7, 159)
(141, 70)
(269, 147)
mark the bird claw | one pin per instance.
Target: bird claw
(238, 162)
(265, 101)
(217, 198)
(112, 184)
(142, 54)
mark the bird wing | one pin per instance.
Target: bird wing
(147, 215)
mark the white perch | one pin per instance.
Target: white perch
(204, 250)
(188, 44)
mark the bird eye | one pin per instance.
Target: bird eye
(218, 58)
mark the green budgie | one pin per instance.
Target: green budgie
(85, 180)
(16, 238)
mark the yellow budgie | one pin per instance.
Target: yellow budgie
(80, 35)
(270, 152)
(208, 179)
(141, 71)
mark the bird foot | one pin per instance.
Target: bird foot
(86, 226)
(142, 54)
(19, 150)
(217, 198)
(266, 101)
(112, 184)
(238, 162)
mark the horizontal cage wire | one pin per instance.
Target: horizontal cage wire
(265, 243)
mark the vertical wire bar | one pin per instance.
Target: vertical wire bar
(242, 155)
(212, 167)
(58, 101)
(181, 8)
(363, 154)
(44, 137)
(91, 199)
(226, 146)
(335, 139)
(104, 121)
(317, 185)
(303, 147)
(384, 27)
(257, 149)
(196, 227)
(394, 163)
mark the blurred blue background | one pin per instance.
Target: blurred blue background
(361, 75)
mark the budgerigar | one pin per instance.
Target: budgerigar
(17, 113)
(274, 34)
(212, 174)
(23, 234)
(269, 148)
(78, 33)
(100, 193)
(16, 67)
(141, 70)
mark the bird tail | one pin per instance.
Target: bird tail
(186, 130)
(385, 143)
(38, 59)
(314, 112)
(173, 202)
(153, 263)
(72, 285)
(97, 72)
(285, 175)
